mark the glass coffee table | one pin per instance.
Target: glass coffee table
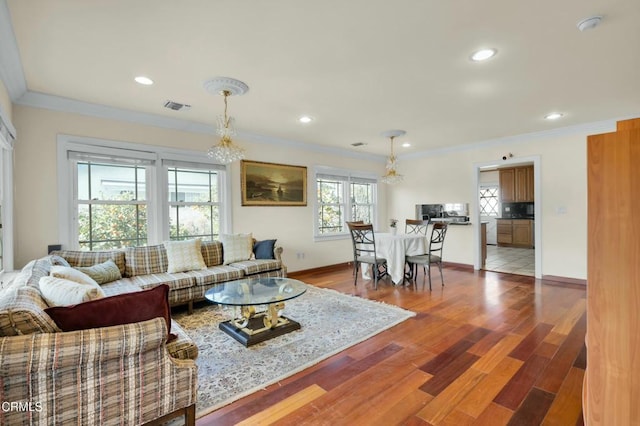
(250, 326)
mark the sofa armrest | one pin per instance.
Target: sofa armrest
(92, 376)
(277, 253)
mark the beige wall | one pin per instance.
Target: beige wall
(36, 199)
(448, 177)
(5, 100)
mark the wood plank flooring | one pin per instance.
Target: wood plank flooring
(486, 349)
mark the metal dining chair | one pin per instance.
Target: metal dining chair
(433, 255)
(364, 251)
(416, 226)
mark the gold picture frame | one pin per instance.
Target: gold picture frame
(271, 184)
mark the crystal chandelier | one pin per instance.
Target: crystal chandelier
(392, 176)
(225, 151)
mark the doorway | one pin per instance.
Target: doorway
(488, 209)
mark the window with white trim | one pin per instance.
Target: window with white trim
(119, 194)
(111, 201)
(343, 198)
(194, 200)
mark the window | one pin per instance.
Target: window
(7, 137)
(343, 198)
(489, 204)
(111, 205)
(118, 194)
(194, 203)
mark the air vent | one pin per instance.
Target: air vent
(176, 106)
(358, 144)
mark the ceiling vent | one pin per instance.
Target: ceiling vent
(358, 144)
(176, 106)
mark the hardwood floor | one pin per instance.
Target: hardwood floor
(486, 349)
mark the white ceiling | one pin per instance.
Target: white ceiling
(359, 67)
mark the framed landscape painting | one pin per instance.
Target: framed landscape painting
(269, 184)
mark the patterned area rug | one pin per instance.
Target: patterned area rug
(331, 322)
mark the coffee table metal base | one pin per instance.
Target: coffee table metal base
(255, 331)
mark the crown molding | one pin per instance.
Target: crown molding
(596, 127)
(11, 72)
(61, 104)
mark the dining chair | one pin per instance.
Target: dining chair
(364, 251)
(433, 255)
(357, 222)
(416, 226)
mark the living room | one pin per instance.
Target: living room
(434, 172)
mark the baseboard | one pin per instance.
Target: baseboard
(556, 280)
(321, 269)
(459, 266)
(341, 266)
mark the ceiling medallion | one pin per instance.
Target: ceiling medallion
(225, 151)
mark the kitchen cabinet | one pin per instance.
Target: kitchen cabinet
(507, 185)
(522, 232)
(505, 232)
(515, 233)
(516, 184)
(611, 388)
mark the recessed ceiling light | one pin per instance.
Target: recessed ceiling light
(553, 116)
(305, 119)
(146, 81)
(483, 54)
(406, 144)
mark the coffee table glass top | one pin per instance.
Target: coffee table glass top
(256, 291)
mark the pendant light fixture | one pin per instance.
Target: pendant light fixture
(225, 151)
(392, 176)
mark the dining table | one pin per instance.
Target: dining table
(395, 248)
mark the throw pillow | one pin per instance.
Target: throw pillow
(102, 273)
(184, 255)
(236, 247)
(71, 274)
(264, 249)
(61, 292)
(58, 260)
(121, 309)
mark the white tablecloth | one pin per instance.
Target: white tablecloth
(394, 248)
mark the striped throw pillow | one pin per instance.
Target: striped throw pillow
(102, 273)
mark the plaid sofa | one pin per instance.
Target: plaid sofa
(125, 375)
(146, 267)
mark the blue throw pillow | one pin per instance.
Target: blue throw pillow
(264, 249)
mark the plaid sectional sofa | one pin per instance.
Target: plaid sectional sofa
(124, 375)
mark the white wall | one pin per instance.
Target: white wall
(435, 178)
(36, 200)
(448, 177)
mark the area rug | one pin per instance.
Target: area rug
(331, 322)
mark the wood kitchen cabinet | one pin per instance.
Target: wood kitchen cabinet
(516, 184)
(522, 232)
(515, 233)
(505, 232)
